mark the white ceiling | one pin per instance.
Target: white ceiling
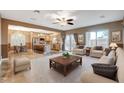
(83, 17)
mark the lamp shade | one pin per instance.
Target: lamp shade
(113, 45)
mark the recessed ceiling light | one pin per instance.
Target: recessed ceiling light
(37, 11)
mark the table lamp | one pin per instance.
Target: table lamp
(113, 45)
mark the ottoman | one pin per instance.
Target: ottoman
(21, 63)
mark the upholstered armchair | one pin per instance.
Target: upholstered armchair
(97, 51)
(79, 50)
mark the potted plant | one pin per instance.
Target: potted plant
(66, 54)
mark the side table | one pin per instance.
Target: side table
(87, 51)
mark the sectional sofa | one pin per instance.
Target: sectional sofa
(90, 77)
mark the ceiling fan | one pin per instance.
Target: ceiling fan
(64, 21)
(62, 17)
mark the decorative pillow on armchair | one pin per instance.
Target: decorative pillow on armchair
(81, 46)
(107, 51)
(98, 48)
(105, 70)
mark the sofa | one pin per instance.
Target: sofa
(97, 51)
(90, 77)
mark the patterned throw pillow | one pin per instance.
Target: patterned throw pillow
(98, 48)
(80, 46)
(105, 70)
(107, 51)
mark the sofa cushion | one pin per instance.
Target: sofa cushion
(112, 55)
(107, 60)
(119, 51)
(105, 70)
(120, 65)
(21, 61)
(97, 51)
(77, 50)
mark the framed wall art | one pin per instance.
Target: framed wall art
(81, 39)
(116, 36)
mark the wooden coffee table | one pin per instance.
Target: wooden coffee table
(65, 65)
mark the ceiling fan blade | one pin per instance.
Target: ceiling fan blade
(71, 23)
(58, 19)
(55, 22)
(70, 19)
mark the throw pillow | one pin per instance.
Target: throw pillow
(107, 51)
(106, 60)
(99, 48)
(112, 55)
(105, 70)
(80, 46)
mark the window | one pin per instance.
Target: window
(99, 38)
(70, 42)
(103, 38)
(17, 39)
(90, 39)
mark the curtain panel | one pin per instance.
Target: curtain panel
(63, 40)
(76, 38)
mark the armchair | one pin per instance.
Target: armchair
(96, 51)
(79, 50)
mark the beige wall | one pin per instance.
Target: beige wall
(112, 26)
(123, 37)
(4, 38)
(0, 36)
(123, 32)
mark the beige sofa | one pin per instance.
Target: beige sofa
(96, 53)
(90, 77)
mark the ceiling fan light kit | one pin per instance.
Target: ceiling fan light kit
(64, 21)
(63, 18)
